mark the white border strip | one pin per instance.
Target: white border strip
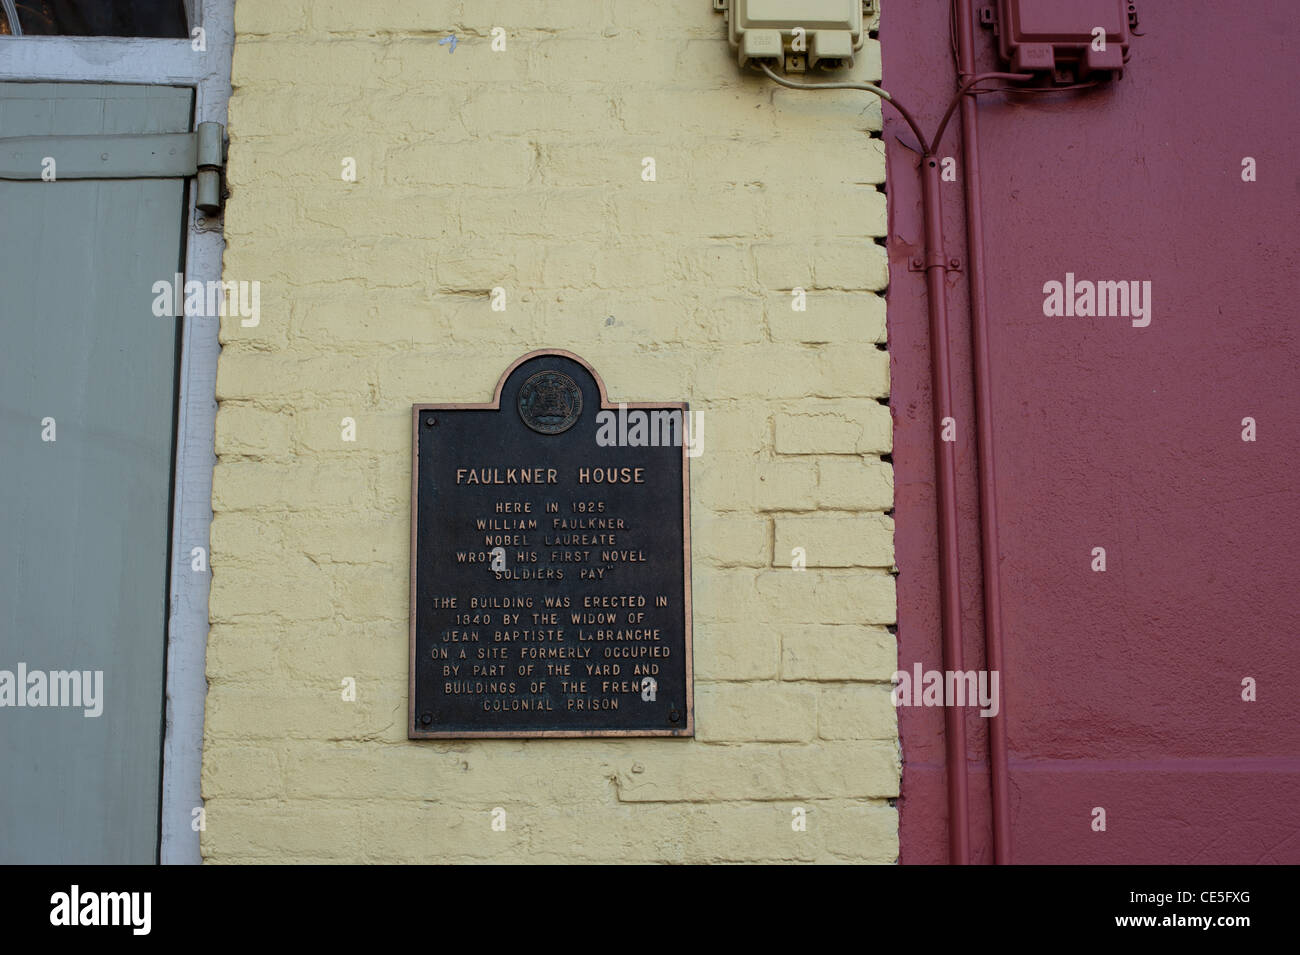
(110, 59)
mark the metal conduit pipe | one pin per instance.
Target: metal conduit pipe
(990, 553)
(945, 468)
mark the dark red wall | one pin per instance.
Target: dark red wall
(1122, 689)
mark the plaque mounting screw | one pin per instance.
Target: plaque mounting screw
(674, 716)
(426, 718)
(430, 421)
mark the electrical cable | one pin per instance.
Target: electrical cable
(961, 91)
(11, 14)
(1036, 89)
(927, 147)
(865, 87)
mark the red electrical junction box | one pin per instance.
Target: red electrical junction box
(1067, 40)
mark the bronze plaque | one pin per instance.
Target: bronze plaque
(550, 561)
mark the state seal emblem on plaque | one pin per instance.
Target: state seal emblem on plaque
(550, 402)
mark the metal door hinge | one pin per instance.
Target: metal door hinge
(210, 161)
(201, 154)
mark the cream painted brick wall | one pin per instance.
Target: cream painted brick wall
(522, 170)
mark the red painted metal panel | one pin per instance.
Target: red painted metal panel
(1122, 689)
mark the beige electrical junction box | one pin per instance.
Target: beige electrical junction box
(795, 34)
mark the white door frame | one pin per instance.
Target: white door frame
(166, 62)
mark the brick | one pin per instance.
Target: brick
(626, 264)
(399, 832)
(311, 61)
(728, 211)
(691, 316)
(251, 432)
(487, 777)
(825, 596)
(809, 112)
(260, 17)
(406, 316)
(246, 216)
(241, 538)
(762, 772)
(244, 772)
(844, 427)
(240, 831)
(240, 486)
(589, 164)
(835, 540)
(303, 594)
(852, 210)
(837, 653)
(754, 712)
(731, 540)
(861, 833)
(481, 266)
(847, 266)
(586, 57)
(323, 430)
(272, 110)
(731, 650)
(499, 163)
(239, 653)
(532, 213)
(844, 163)
(429, 213)
(861, 711)
(340, 16)
(324, 654)
(830, 317)
(646, 833)
(372, 592)
(450, 373)
(670, 833)
(851, 265)
(730, 426)
(354, 538)
(746, 482)
(307, 167)
(790, 371)
(733, 111)
(294, 711)
(690, 20)
(491, 112)
(854, 483)
(303, 262)
(643, 374)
